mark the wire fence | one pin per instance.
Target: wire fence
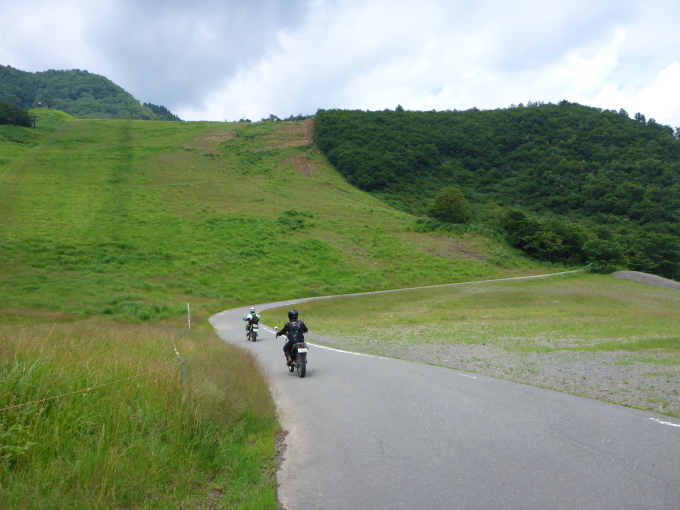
(85, 391)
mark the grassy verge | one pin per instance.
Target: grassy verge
(132, 441)
(590, 335)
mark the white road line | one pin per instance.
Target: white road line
(468, 375)
(356, 353)
(369, 356)
(332, 349)
(346, 352)
(665, 422)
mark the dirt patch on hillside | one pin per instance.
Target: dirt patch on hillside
(290, 134)
(445, 247)
(209, 141)
(294, 134)
(283, 145)
(302, 164)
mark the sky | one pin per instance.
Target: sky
(232, 59)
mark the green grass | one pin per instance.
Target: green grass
(135, 443)
(16, 141)
(157, 214)
(570, 312)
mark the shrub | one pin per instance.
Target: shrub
(450, 205)
(603, 253)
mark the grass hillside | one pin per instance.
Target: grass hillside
(16, 141)
(107, 230)
(131, 218)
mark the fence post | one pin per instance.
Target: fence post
(189, 315)
(184, 371)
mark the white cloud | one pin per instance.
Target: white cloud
(223, 59)
(39, 35)
(660, 100)
(422, 55)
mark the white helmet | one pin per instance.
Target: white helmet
(252, 310)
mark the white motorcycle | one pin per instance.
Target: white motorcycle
(251, 332)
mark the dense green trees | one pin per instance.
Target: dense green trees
(550, 239)
(603, 252)
(162, 113)
(561, 174)
(10, 114)
(79, 93)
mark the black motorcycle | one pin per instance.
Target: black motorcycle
(299, 356)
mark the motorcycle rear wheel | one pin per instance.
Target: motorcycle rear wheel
(302, 365)
(254, 335)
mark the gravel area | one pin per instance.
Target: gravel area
(649, 279)
(649, 380)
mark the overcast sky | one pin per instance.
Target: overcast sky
(228, 59)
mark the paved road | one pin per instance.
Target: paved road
(374, 433)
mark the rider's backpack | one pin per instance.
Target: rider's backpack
(295, 332)
(254, 319)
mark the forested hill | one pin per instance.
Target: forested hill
(79, 93)
(613, 177)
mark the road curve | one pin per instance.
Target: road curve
(366, 432)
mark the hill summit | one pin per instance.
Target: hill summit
(79, 93)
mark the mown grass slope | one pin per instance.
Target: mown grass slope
(138, 218)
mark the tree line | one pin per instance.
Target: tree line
(549, 177)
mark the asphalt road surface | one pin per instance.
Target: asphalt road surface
(366, 432)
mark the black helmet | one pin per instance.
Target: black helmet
(293, 315)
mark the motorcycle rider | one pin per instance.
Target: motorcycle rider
(294, 331)
(251, 318)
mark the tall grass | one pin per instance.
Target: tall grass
(135, 440)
